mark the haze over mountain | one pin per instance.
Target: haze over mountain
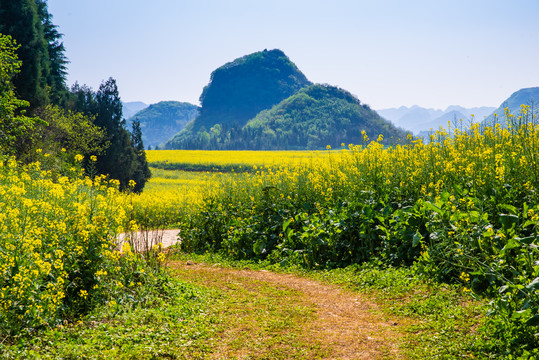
(263, 101)
(526, 96)
(418, 119)
(131, 108)
(160, 121)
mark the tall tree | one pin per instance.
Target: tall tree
(15, 127)
(43, 74)
(20, 19)
(122, 158)
(56, 79)
(142, 172)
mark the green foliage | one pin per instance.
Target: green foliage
(317, 116)
(122, 158)
(312, 118)
(42, 76)
(56, 79)
(58, 258)
(462, 210)
(64, 135)
(168, 319)
(15, 127)
(142, 171)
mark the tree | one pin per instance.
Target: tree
(56, 79)
(15, 126)
(74, 132)
(20, 19)
(43, 73)
(142, 172)
(121, 158)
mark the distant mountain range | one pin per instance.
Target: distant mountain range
(418, 119)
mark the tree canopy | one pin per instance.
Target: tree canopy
(15, 126)
(33, 81)
(42, 76)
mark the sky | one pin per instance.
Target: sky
(388, 53)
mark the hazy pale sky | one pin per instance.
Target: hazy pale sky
(386, 52)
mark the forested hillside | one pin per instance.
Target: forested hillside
(245, 107)
(315, 117)
(526, 96)
(41, 119)
(239, 90)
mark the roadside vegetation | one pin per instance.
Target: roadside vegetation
(439, 233)
(461, 209)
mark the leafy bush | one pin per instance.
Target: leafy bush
(462, 207)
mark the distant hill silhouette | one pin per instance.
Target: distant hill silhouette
(131, 108)
(160, 121)
(262, 101)
(526, 96)
(419, 120)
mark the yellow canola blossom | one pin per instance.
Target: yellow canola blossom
(477, 159)
(48, 228)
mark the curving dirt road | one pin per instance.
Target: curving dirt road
(344, 325)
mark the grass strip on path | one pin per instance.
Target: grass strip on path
(269, 315)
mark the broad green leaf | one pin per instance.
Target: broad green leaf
(513, 243)
(508, 220)
(417, 239)
(534, 285)
(433, 207)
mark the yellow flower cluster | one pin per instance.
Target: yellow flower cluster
(235, 159)
(476, 160)
(48, 228)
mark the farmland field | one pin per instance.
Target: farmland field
(198, 160)
(437, 230)
(461, 208)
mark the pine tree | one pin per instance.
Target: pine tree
(142, 172)
(57, 60)
(123, 158)
(20, 19)
(43, 74)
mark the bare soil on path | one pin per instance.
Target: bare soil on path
(143, 240)
(272, 315)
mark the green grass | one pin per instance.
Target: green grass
(443, 322)
(177, 325)
(220, 314)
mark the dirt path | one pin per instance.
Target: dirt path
(143, 240)
(269, 315)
